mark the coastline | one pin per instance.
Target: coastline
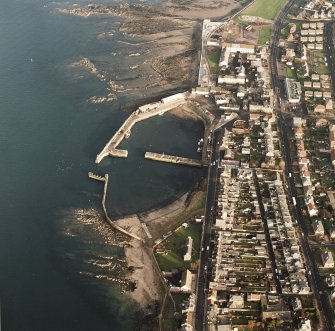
(172, 65)
(146, 274)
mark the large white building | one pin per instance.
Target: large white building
(293, 90)
(242, 48)
(231, 80)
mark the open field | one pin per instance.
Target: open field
(265, 34)
(214, 58)
(175, 247)
(265, 8)
(291, 73)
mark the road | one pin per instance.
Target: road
(330, 51)
(202, 283)
(322, 299)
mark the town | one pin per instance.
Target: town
(269, 263)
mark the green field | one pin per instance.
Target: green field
(291, 73)
(265, 34)
(173, 259)
(267, 9)
(214, 58)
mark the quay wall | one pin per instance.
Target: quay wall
(137, 116)
(175, 159)
(109, 221)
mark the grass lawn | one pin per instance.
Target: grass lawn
(291, 73)
(179, 299)
(175, 247)
(267, 9)
(318, 61)
(265, 34)
(214, 58)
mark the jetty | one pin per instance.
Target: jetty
(141, 114)
(175, 159)
(108, 219)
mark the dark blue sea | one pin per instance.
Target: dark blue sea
(49, 137)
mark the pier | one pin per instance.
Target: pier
(141, 114)
(176, 159)
(108, 219)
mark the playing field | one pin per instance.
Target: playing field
(267, 9)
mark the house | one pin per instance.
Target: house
(325, 77)
(319, 108)
(318, 228)
(200, 90)
(297, 122)
(327, 259)
(296, 304)
(245, 151)
(300, 145)
(320, 25)
(308, 190)
(320, 122)
(307, 84)
(327, 94)
(318, 94)
(312, 210)
(316, 85)
(325, 84)
(329, 104)
(315, 77)
(332, 136)
(187, 281)
(298, 133)
(303, 161)
(309, 94)
(305, 326)
(236, 302)
(332, 233)
(254, 116)
(189, 243)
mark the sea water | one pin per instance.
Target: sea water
(49, 137)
